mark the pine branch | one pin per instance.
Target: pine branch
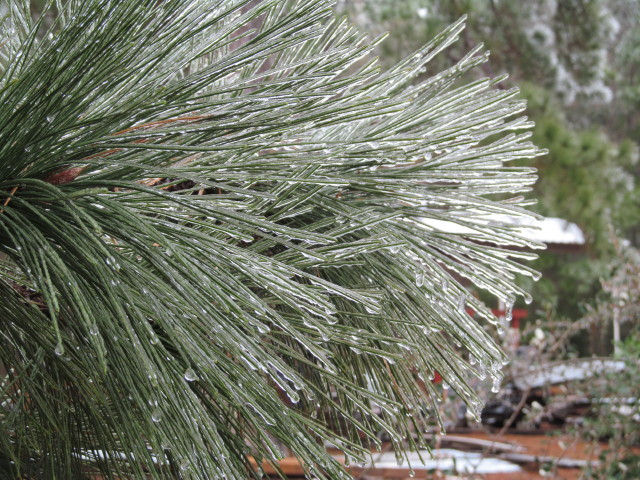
(215, 238)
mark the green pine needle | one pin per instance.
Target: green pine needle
(213, 236)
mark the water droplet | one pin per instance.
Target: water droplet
(50, 118)
(420, 279)
(190, 375)
(59, 350)
(93, 330)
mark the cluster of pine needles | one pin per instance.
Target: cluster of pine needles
(219, 237)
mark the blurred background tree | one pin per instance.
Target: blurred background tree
(576, 62)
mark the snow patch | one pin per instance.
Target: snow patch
(447, 459)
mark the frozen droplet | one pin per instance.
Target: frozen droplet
(50, 118)
(372, 310)
(329, 311)
(156, 415)
(190, 375)
(395, 249)
(93, 329)
(419, 279)
(59, 350)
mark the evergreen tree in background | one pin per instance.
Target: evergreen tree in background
(213, 239)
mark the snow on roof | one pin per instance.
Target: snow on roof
(545, 230)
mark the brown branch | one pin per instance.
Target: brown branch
(11, 194)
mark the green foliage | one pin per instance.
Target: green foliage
(586, 179)
(616, 415)
(212, 239)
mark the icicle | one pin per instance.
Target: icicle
(461, 302)
(508, 313)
